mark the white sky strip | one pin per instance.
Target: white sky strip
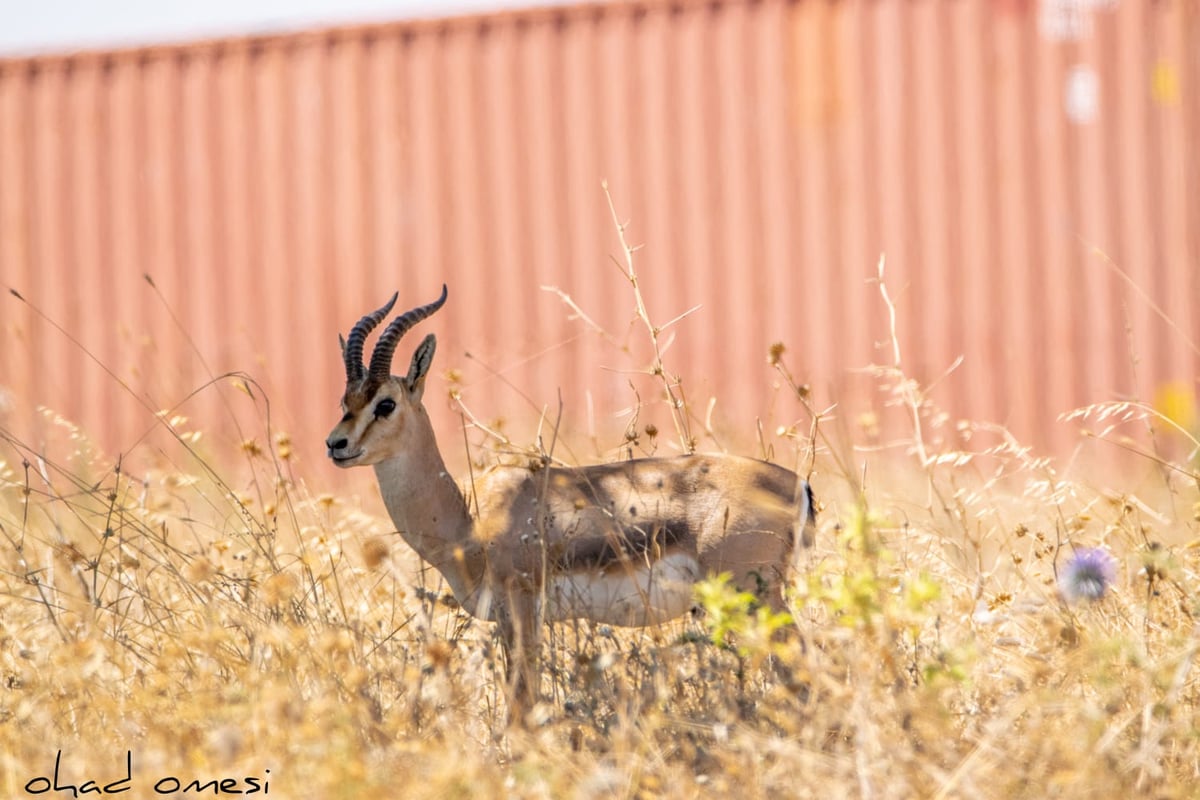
(52, 26)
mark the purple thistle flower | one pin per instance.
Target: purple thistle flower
(1087, 575)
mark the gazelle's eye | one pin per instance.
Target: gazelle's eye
(384, 407)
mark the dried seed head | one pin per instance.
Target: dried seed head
(279, 588)
(439, 653)
(375, 552)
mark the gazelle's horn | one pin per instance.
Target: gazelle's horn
(352, 347)
(381, 358)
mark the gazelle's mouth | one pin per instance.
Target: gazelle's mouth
(344, 460)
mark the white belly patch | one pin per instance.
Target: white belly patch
(632, 595)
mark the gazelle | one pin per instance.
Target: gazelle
(619, 543)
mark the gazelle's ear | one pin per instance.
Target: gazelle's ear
(421, 361)
(342, 343)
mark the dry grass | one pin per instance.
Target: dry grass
(261, 630)
(214, 636)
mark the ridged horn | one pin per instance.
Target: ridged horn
(381, 359)
(352, 347)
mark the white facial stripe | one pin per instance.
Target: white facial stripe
(359, 424)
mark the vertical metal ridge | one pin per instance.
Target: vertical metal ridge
(764, 153)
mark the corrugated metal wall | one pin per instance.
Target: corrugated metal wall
(766, 153)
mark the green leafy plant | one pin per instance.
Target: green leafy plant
(737, 620)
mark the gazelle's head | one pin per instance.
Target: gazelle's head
(378, 407)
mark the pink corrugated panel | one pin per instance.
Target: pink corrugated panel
(1031, 184)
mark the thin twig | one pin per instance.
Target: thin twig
(908, 388)
(672, 384)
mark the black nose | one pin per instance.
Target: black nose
(339, 444)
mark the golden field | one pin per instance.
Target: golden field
(215, 624)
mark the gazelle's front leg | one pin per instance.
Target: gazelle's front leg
(520, 637)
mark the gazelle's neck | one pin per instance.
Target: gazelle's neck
(430, 512)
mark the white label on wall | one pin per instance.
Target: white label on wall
(1082, 95)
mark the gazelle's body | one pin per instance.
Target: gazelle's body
(620, 543)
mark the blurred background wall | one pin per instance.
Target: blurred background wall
(1030, 170)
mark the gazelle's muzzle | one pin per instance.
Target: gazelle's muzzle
(337, 447)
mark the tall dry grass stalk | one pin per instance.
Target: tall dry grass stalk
(213, 622)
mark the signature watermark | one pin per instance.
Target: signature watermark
(167, 784)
